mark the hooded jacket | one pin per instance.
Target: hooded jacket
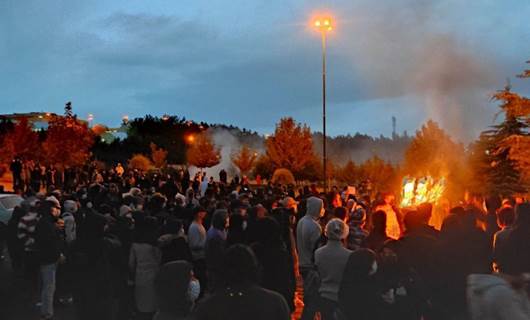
(491, 297)
(308, 232)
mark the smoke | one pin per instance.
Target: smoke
(406, 48)
(229, 142)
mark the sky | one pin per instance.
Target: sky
(251, 62)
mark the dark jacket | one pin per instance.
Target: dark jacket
(47, 240)
(277, 273)
(253, 303)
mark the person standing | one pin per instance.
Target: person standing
(242, 298)
(16, 171)
(144, 262)
(197, 243)
(277, 272)
(215, 248)
(48, 247)
(330, 261)
(308, 233)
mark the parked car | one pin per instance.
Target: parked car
(8, 202)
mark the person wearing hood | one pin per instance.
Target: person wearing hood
(330, 261)
(241, 297)
(308, 234)
(498, 297)
(48, 247)
(277, 272)
(358, 296)
(517, 257)
(176, 290)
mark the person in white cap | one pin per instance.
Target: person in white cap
(331, 260)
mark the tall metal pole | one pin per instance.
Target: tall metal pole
(324, 155)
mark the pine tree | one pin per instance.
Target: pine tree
(504, 176)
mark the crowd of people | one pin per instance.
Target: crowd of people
(122, 244)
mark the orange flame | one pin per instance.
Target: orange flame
(425, 189)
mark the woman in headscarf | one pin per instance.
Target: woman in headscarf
(276, 268)
(358, 294)
(176, 290)
(144, 263)
(94, 273)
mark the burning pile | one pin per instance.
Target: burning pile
(420, 190)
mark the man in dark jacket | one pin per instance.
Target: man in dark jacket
(242, 298)
(48, 247)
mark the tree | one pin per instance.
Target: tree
(432, 152)
(382, 174)
(140, 162)
(264, 167)
(348, 173)
(20, 141)
(203, 153)
(68, 141)
(505, 143)
(244, 159)
(517, 144)
(158, 155)
(291, 146)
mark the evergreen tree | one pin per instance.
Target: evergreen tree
(504, 175)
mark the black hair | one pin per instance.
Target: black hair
(240, 266)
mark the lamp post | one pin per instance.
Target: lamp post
(324, 26)
(90, 118)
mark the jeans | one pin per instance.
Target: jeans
(47, 273)
(311, 296)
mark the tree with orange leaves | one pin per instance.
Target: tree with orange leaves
(203, 153)
(291, 146)
(21, 141)
(68, 141)
(158, 155)
(244, 159)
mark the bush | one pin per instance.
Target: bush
(140, 162)
(283, 176)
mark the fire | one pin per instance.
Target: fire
(425, 189)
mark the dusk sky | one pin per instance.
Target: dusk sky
(249, 62)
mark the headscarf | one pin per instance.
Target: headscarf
(171, 285)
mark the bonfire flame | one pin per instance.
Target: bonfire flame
(425, 189)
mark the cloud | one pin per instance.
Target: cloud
(115, 58)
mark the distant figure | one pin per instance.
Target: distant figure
(119, 170)
(223, 176)
(16, 170)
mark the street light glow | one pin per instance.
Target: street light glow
(324, 24)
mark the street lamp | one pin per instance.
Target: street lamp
(324, 25)
(90, 118)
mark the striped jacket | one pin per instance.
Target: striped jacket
(26, 230)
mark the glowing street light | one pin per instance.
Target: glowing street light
(190, 138)
(90, 118)
(324, 25)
